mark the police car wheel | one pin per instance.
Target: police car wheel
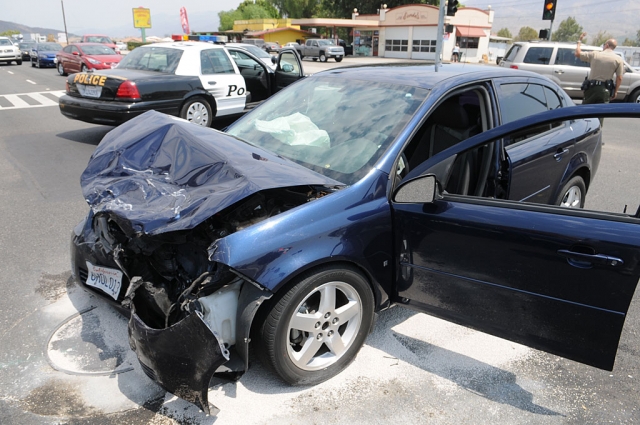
(197, 111)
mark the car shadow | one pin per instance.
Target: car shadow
(480, 378)
(90, 135)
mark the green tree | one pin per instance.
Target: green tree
(600, 38)
(504, 32)
(629, 42)
(9, 33)
(261, 9)
(568, 30)
(526, 33)
(638, 38)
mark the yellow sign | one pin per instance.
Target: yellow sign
(141, 18)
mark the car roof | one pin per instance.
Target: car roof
(424, 76)
(184, 45)
(556, 43)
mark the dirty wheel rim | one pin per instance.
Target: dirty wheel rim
(198, 114)
(572, 198)
(324, 326)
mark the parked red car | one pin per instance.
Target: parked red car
(85, 56)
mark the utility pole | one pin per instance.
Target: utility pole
(66, 34)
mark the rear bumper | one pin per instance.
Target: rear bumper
(110, 112)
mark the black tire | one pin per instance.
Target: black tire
(339, 59)
(323, 57)
(19, 62)
(38, 63)
(573, 193)
(333, 337)
(32, 63)
(85, 68)
(301, 56)
(197, 111)
(635, 96)
(61, 70)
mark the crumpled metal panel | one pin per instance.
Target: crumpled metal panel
(158, 173)
(181, 358)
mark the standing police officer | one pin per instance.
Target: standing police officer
(600, 87)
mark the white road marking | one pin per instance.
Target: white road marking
(10, 72)
(18, 103)
(32, 82)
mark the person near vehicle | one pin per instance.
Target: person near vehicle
(600, 86)
(455, 53)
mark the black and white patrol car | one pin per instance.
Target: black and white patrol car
(196, 81)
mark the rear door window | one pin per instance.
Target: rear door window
(568, 57)
(538, 55)
(513, 51)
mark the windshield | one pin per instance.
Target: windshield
(335, 126)
(255, 50)
(26, 45)
(98, 39)
(5, 42)
(49, 47)
(98, 50)
(326, 43)
(158, 59)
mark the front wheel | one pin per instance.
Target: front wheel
(323, 57)
(19, 62)
(37, 63)
(573, 193)
(314, 330)
(61, 70)
(635, 96)
(85, 68)
(197, 111)
(339, 59)
(32, 63)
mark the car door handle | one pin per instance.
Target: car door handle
(213, 83)
(558, 155)
(559, 71)
(582, 260)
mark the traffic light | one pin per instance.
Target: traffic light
(452, 7)
(543, 34)
(549, 11)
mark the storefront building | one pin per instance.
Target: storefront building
(411, 32)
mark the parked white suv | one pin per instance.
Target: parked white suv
(558, 62)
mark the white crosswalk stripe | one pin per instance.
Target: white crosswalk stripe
(17, 101)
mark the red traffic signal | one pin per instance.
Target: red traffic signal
(549, 11)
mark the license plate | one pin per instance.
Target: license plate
(106, 279)
(90, 91)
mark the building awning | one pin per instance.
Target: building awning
(462, 31)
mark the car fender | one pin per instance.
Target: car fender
(275, 251)
(578, 166)
(199, 92)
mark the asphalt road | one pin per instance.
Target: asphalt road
(59, 366)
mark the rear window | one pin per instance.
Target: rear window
(538, 55)
(159, 59)
(513, 51)
(568, 57)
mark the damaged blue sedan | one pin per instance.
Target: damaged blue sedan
(349, 192)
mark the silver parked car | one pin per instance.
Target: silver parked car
(558, 62)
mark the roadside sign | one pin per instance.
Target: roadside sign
(141, 17)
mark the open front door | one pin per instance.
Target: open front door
(289, 69)
(552, 278)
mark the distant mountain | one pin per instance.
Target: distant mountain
(616, 17)
(25, 30)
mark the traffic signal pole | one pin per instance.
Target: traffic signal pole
(440, 34)
(550, 31)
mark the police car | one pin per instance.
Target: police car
(196, 81)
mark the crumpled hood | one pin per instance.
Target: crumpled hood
(158, 173)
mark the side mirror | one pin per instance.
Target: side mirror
(421, 190)
(274, 60)
(75, 53)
